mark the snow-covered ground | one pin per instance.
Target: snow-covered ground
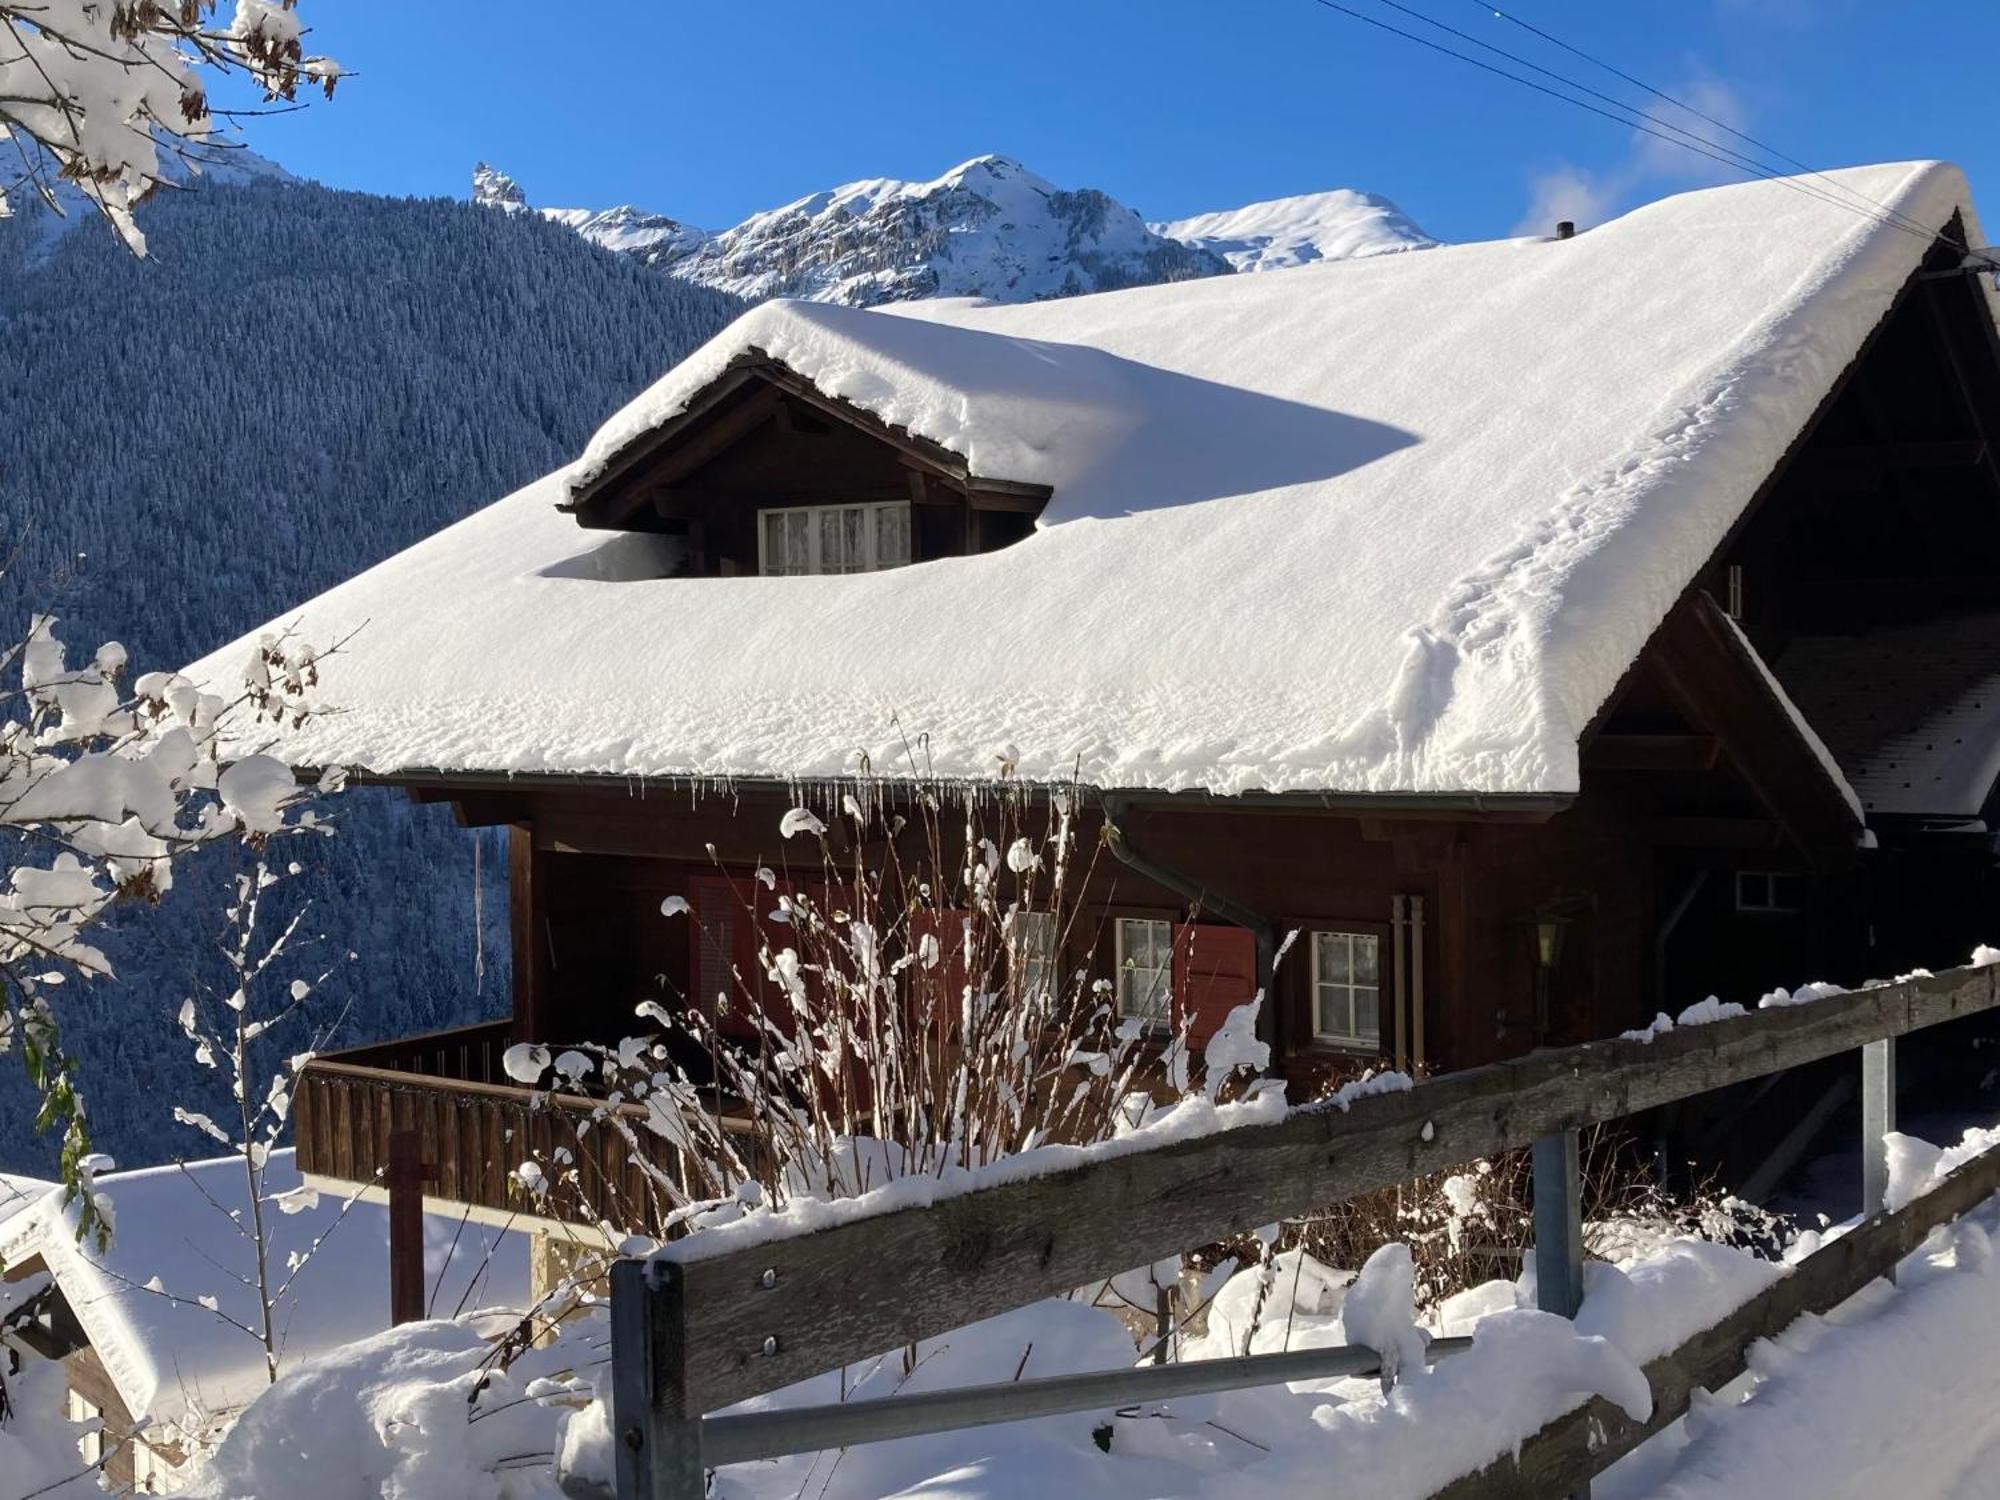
(1890, 1390)
(1889, 1394)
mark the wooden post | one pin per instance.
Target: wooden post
(1400, 974)
(1878, 1119)
(657, 1435)
(407, 1174)
(1415, 910)
(526, 923)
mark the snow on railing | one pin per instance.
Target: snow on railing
(698, 1328)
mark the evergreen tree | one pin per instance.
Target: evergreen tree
(369, 370)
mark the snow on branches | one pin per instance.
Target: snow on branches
(101, 790)
(103, 86)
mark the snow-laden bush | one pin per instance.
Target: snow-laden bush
(1467, 1224)
(105, 88)
(896, 1025)
(102, 790)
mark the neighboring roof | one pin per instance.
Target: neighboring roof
(1912, 711)
(18, 1196)
(1394, 525)
(174, 1360)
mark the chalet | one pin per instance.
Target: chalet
(1550, 632)
(154, 1330)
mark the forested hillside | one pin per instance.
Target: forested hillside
(297, 383)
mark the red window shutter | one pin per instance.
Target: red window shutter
(1215, 970)
(732, 923)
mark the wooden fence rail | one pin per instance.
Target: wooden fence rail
(744, 1321)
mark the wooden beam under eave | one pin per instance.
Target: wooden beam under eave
(486, 811)
(1652, 752)
(1022, 502)
(718, 430)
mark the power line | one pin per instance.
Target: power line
(1681, 104)
(1629, 116)
(1683, 136)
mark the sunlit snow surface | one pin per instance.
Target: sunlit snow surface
(1397, 524)
(1337, 225)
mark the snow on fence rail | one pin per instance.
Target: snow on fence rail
(704, 1326)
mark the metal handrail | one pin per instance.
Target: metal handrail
(744, 1436)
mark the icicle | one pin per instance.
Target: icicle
(478, 920)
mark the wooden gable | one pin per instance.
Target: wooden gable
(760, 437)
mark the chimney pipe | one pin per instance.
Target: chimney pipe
(1565, 229)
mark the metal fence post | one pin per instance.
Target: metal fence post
(1878, 1120)
(1559, 1233)
(1558, 1225)
(658, 1435)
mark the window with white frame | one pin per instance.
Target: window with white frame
(1775, 891)
(1347, 988)
(834, 538)
(78, 1409)
(1031, 951)
(1145, 969)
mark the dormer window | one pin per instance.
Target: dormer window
(834, 538)
(764, 473)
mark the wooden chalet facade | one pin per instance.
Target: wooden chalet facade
(1711, 843)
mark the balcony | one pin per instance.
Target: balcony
(473, 1126)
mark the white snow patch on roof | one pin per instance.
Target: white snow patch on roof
(173, 1359)
(1397, 525)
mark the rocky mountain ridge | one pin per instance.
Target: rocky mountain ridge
(988, 228)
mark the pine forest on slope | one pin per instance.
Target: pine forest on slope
(371, 370)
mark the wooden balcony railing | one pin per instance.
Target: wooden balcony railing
(474, 1127)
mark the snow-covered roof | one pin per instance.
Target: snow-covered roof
(1392, 525)
(174, 1360)
(1912, 710)
(19, 1195)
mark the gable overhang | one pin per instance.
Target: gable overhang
(1715, 676)
(750, 391)
(1943, 267)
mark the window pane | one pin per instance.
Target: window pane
(854, 536)
(1330, 957)
(892, 536)
(1363, 948)
(774, 542)
(1032, 949)
(1367, 1014)
(832, 543)
(1145, 968)
(1333, 1014)
(798, 542)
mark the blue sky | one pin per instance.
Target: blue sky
(709, 112)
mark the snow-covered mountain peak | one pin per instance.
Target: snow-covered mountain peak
(987, 228)
(493, 188)
(1338, 225)
(631, 231)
